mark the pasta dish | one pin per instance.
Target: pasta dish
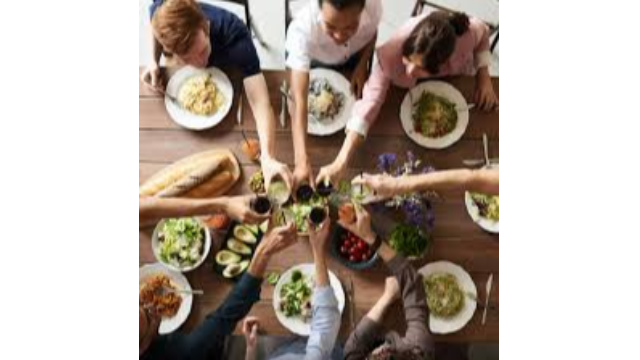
(325, 102)
(434, 116)
(445, 298)
(153, 294)
(201, 96)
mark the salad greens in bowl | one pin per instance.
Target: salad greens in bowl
(181, 244)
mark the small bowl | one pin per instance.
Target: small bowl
(155, 245)
(338, 232)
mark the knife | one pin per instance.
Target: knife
(239, 114)
(284, 106)
(352, 307)
(485, 144)
(478, 162)
(486, 301)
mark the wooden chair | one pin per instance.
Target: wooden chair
(420, 5)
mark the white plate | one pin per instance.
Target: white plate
(488, 225)
(450, 325)
(155, 246)
(190, 120)
(169, 325)
(442, 89)
(296, 325)
(339, 122)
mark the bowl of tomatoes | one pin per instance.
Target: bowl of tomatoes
(351, 251)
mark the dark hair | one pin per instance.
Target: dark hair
(434, 38)
(344, 4)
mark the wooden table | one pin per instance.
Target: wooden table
(456, 237)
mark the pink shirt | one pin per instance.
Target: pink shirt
(471, 53)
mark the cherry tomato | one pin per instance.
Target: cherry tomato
(352, 258)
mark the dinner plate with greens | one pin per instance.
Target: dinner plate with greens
(484, 209)
(434, 114)
(451, 296)
(181, 244)
(293, 297)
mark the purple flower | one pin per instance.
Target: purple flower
(411, 157)
(386, 161)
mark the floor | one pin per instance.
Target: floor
(269, 17)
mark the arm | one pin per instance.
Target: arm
(325, 323)
(486, 181)
(361, 71)
(258, 96)
(300, 89)
(365, 113)
(485, 95)
(152, 209)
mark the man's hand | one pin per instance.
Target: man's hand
(318, 237)
(153, 77)
(359, 78)
(384, 186)
(274, 241)
(391, 289)
(239, 209)
(362, 226)
(332, 172)
(302, 175)
(272, 168)
(485, 97)
(250, 327)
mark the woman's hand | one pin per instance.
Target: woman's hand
(239, 209)
(384, 186)
(362, 226)
(485, 96)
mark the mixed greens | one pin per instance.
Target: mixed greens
(295, 296)
(488, 206)
(181, 242)
(408, 240)
(434, 116)
(325, 102)
(445, 298)
(299, 212)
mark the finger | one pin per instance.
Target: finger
(254, 331)
(287, 177)
(322, 176)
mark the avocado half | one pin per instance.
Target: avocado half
(233, 270)
(226, 257)
(243, 234)
(238, 247)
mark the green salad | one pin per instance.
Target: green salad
(488, 206)
(295, 297)
(445, 298)
(408, 240)
(434, 116)
(299, 212)
(181, 242)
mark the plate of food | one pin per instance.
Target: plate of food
(351, 251)
(330, 102)
(434, 114)
(156, 282)
(201, 97)
(181, 244)
(451, 296)
(293, 296)
(484, 209)
(237, 249)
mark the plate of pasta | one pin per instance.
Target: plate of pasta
(202, 97)
(329, 103)
(434, 114)
(156, 282)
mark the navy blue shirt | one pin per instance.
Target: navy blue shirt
(231, 42)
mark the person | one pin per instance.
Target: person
(385, 186)
(203, 35)
(207, 340)
(368, 340)
(152, 209)
(435, 44)
(325, 322)
(337, 34)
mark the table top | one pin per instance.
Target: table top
(456, 237)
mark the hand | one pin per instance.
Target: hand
(277, 239)
(384, 186)
(250, 327)
(485, 97)
(239, 209)
(391, 289)
(318, 237)
(272, 168)
(302, 175)
(358, 79)
(332, 172)
(362, 226)
(153, 77)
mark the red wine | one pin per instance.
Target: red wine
(324, 189)
(317, 215)
(304, 193)
(261, 205)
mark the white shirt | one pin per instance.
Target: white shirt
(307, 41)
